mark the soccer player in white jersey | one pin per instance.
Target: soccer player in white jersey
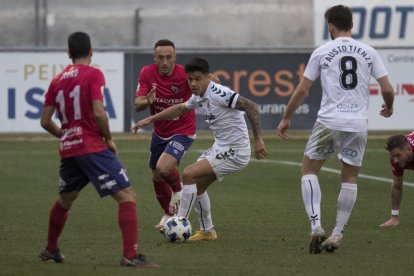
(345, 67)
(223, 110)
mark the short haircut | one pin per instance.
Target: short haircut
(79, 45)
(396, 141)
(164, 42)
(340, 16)
(197, 65)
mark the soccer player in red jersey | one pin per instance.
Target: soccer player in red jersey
(223, 109)
(161, 85)
(88, 153)
(401, 148)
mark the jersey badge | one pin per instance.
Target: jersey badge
(175, 88)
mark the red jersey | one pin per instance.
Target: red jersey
(396, 170)
(171, 90)
(72, 93)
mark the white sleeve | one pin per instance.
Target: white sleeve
(233, 100)
(224, 95)
(378, 68)
(312, 70)
(191, 103)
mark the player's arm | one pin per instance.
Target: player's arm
(396, 197)
(387, 93)
(169, 113)
(47, 123)
(396, 193)
(299, 95)
(102, 122)
(142, 102)
(252, 112)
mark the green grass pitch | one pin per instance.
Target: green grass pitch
(258, 214)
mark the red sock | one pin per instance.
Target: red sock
(163, 193)
(128, 222)
(57, 219)
(173, 178)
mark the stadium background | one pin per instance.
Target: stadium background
(258, 213)
(257, 48)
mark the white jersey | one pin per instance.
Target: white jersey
(345, 67)
(217, 106)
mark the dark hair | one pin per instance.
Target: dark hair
(164, 42)
(396, 141)
(79, 45)
(340, 16)
(197, 65)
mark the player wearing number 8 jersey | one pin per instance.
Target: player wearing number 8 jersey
(345, 67)
(88, 153)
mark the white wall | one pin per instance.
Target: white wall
(213, 23)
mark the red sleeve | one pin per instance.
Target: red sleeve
(143, 81)
(97, 86)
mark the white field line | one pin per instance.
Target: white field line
(288, 163)
(55, 150)
(325, 169)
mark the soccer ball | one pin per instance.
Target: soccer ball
(177, 229)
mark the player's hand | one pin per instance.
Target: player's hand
(152, 95)
(260, 149)
(111, 145)
(385, 111)
(282, 128)
(392, 222)
(140, 124)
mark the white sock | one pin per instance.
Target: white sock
(311, 194)
(187, 200)
(203, 209)
(346, 201)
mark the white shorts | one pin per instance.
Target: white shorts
(226, 160)
(324, 143)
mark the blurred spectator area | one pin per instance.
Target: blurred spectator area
(126, 23)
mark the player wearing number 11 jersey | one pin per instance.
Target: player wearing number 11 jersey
(345, 67)
(73, 92)
(88, 153)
